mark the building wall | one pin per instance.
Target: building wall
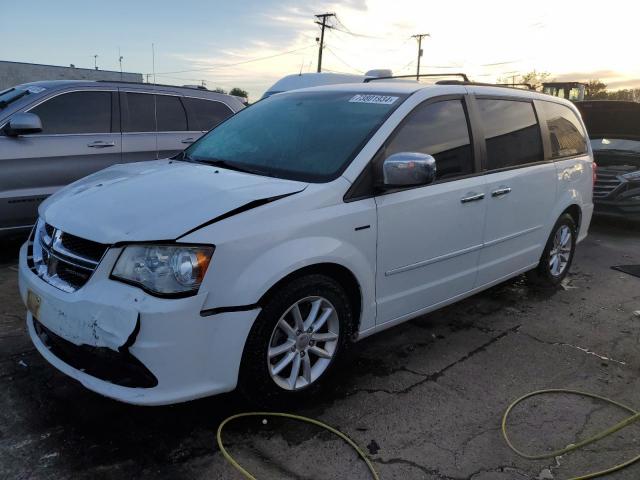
(15, 73)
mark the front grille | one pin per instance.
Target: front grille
(120, 368)
(61, 259)
(606, 182)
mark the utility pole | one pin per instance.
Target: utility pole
(322, 24)
(95, 62)
(420, 36)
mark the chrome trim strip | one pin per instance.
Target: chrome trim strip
(511, 236)
(433, 260)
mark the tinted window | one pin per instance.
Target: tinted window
(511, 132)
(171, 114)
(141, 117)
(205, 114)
(308, 136)
(565, 132)
(438, 129)
(76, 112)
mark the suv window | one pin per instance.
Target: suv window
(567, 137)
(76, 112)
(438, 129)
(205, 114)
(171, 114)
(511, 132)
(141, 113)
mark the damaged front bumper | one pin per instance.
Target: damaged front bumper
(125, 344)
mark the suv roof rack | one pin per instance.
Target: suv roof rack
(528, 86)
(462, 75)
(191, 87)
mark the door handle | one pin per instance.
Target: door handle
(500, 192)
(472, 198)
(188, 140)
(101, 144)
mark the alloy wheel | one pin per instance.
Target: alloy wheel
(303, 343)
(561, 251)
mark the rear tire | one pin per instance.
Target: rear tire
(296, 341)
(558, 254)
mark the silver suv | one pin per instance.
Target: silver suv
(55, 132)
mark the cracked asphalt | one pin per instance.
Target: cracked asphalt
(425, 399)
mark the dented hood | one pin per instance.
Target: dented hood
(157, 200)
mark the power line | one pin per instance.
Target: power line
(342, 61)
(224, 65)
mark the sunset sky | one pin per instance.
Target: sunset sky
(218, 41)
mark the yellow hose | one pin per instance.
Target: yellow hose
(635, 415)
(248, 475)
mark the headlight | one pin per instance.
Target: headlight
(164, 269)
(633, 176)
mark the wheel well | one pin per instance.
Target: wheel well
(340, 274)
(576, 214)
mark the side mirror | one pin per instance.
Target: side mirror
(23, 124)
(405, 169)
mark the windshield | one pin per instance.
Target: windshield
(307, 136)
(617, 144)
(12, 94)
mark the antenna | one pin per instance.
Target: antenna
(120, 58)
(155, 101)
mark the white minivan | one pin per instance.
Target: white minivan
(306, 221)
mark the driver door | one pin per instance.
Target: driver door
(430, 237)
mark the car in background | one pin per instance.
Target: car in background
(55, 132)
(614, 131)
(306, 80)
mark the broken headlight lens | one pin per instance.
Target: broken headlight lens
(164, 269)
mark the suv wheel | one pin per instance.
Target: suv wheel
(558, 254)
(296, 340)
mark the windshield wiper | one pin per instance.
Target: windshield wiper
(617, 151)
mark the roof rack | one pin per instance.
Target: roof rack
(528, 86)
(462, 75)
(192, 87)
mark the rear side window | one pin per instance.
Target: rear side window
(511, 132)
(566, 135)
(440, 130)
(141, 113)
(205, 114)
(171, 114)
(76, 112)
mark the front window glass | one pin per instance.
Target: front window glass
(440, 130)
(76, 112)
(615, 144)
(10, 95)
(309, 136)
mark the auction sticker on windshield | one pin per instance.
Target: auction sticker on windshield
(378, 99)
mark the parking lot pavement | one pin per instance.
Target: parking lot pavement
(424, 398)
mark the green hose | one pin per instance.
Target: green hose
(248, 475)
(635, 415)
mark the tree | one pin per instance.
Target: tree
(239, 92)
(596, 89)
(535, 79)
(220, 90)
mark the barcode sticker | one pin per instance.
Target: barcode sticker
(378, 99)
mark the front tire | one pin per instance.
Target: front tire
(558, 254)
(296, 341)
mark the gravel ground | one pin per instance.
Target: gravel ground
(425, 399)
